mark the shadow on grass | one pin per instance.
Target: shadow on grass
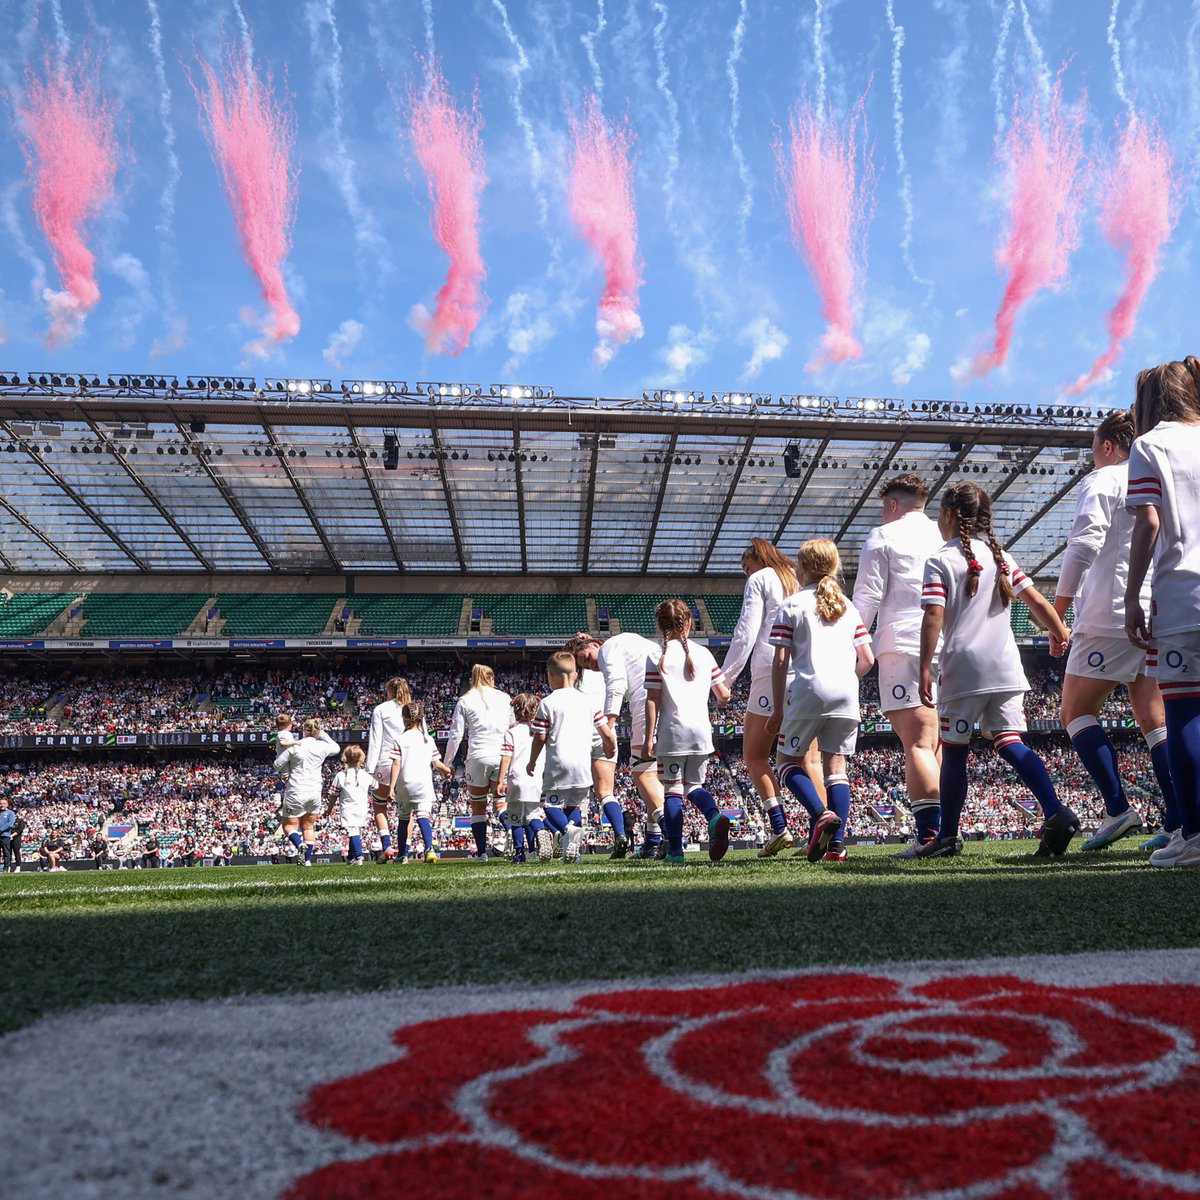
(485, 927)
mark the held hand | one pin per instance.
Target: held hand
(925, 688)
(1058, 645)
(1135, 624)
(774, 724)
(501, 787)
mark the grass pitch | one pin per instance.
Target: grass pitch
(101, 937)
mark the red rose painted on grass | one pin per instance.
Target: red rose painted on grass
(814, 1086)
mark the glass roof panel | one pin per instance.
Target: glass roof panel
(24, 550)
(628, 470)
(555, 479)
(483, 490)
(166, 463)
(415, 505)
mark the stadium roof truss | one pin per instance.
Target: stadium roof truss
(247, 479)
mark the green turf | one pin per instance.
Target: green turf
(83, 938)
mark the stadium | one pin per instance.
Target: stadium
(187, 558)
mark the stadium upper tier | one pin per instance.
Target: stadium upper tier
(305, 477)
(71, 616)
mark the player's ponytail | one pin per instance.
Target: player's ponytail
(821, 564)
(482, 677)
(674, 621)
(972, 510)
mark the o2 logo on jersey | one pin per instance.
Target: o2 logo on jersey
(899, 692)
(764, 702)
(1174, 660)
(961, 726)
(796, 743)
(1095, 660)
(674, 770)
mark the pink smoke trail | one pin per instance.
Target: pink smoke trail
(71, 158)
(1045, 169)
(827, 205)
(600, 197)
(251, 134)
(446, 141)
(1136, 218)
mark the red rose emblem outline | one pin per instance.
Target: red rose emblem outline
(804, 1087)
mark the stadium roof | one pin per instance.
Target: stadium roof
(144, 474)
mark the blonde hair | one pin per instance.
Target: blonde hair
(397, 689)
(821, 563)
(524, 706)
(771, 556)
(674, 621)
(353, 757)
(312, 727)
(283, 721)
(562, 662)
(412, 714)
(482, 676)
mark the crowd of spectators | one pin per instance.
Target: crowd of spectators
(185, 698)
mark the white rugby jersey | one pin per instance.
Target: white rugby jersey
(1095, 565)
(483, 715)
(416, 751)
(979, 652)
(887, 588)
(622, 662)
(522, 785)
(684, 726)
(761, 598)
(824, 656)
(566, 719)
(301, 764)
(386, 727)
(353, 786)
(1164, 470)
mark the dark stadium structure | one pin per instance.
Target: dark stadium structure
(390, 483)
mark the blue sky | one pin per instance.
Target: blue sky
(706, 86)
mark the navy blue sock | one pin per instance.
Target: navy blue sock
(702, 799)
(505, 821)
(928, 819)
(479, 833)
(953, 789)
(385, 841)
(616, 817)
(518, 832)
(837, 790)
(295, 838)
(672, 822)
(795, 778)
(535, 827)
(1031, 771)
(556, 818)
(654, 828)
(426, 828)
(1099, 756)
(308, 849)
(355, 846)
(1183, 749)
(1156, 739)
(573, 815)
(402, 836)
(777, 817)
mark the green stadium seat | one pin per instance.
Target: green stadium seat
(724, 611)
(26, 616)
(534, 614)
(402, 614)
(251, 614)
(636, 612)
(140, 614)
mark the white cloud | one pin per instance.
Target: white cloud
(916, 355)
(767, 342)
(175, 338)
(685, 350)
(343, 342)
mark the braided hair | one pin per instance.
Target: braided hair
(972, 509)
(674, 621)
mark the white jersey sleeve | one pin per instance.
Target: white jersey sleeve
(1094, 509)
(375, 739)
(747, 630)
(455, 737)
(870, 584)
(611, 661)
